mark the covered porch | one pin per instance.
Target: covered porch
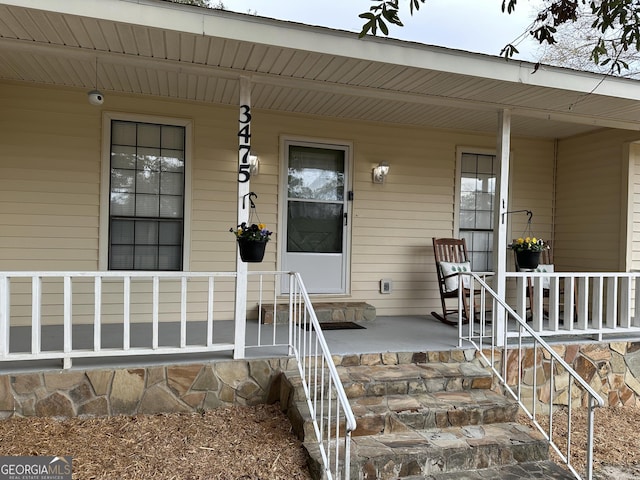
(563, 142)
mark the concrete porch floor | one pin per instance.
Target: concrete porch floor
(384, 334)
(418, 333)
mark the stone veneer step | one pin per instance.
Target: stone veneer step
(398, 413)
(413, 379)
(448, 450)
(547, 470)
(325, 311)
(433, 421)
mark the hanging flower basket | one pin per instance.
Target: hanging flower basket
(252, 240)
(251, 251)
(528, 259)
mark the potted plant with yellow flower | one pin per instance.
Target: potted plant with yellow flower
(252, 241)
(528, 251)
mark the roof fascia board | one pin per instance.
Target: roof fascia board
(254, 29)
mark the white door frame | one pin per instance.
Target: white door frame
(285, 140)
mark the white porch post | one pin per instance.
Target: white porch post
(244, 149)
(500, 221)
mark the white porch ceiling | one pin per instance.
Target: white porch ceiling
(322, 71)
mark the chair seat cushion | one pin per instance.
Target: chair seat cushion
(449, 272)
(545, 268)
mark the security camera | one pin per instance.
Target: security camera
(96, 97)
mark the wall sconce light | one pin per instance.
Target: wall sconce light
(254, 164)
(380, 172)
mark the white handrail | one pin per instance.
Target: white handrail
(322, 384)
(482, 336)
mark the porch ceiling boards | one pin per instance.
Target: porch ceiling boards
(297, 68)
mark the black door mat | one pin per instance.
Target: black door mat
(336, 326)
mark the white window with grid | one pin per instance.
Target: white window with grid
(476, 182)
(146, 184)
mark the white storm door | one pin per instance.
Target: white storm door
(315, 217)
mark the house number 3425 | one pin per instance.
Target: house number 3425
(244, 141)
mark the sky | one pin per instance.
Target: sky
(472, 25)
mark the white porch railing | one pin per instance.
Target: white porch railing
(594, 305)
(512, 350)
(72, 315)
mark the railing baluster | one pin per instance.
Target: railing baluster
(569, 303)
(68, 321)
(636, 313)
(183, 312)
(5, 318)
(612, 303)
(126, 321)
(597, 303)
(155, 311)
(36, 315)
(210, 298)
(590, 422)
(583, 303)
(97, 313)
(553, 308)
(625, 303)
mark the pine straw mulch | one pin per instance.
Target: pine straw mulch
(616, 443)
(234, 443)
(256, 443)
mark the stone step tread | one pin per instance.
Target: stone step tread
(411, 370)
(395, 413)
(446, 450)
(544, 470)
(377, 380)
(469, 399)
(401, 413)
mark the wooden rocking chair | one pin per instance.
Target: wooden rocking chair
(451, 257)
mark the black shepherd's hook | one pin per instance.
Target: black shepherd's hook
(251, 196)
(528, 212)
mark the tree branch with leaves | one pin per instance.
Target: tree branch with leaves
(616, 24)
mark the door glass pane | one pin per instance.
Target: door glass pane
(314, 227)
(316, 173)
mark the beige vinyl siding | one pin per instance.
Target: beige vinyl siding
(633, 256)
(50, 190)
(591, 201)
(49, 180)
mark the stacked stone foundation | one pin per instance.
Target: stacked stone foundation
(144, 390)
(612, 369)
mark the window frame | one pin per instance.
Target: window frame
(105, 180)
(460, 151)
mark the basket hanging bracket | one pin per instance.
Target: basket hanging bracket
(251, 196)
